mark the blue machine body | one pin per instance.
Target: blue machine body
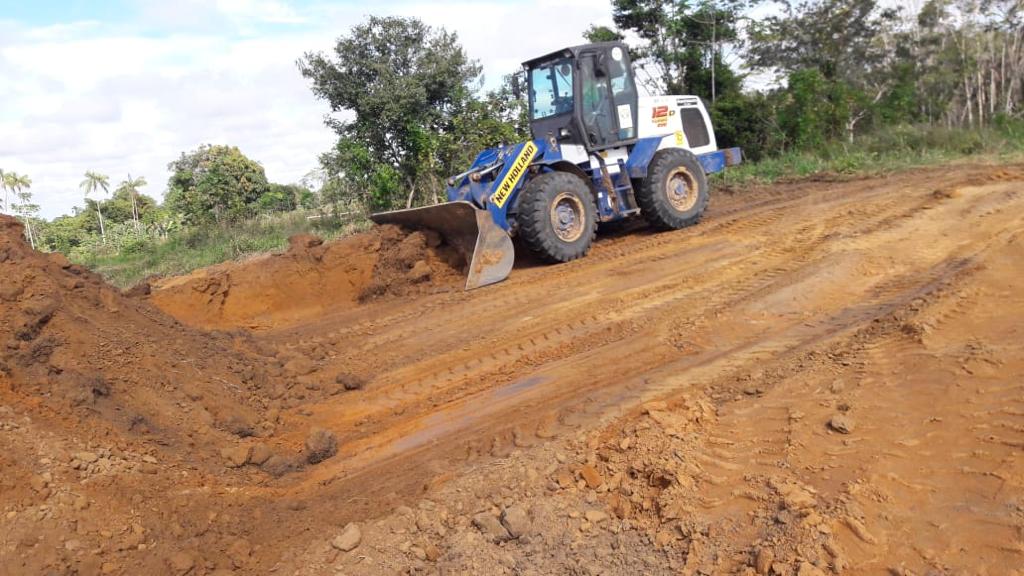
(614, 194)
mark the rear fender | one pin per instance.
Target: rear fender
(640, 156)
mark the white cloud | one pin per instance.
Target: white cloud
(83, 96)
(260, 11)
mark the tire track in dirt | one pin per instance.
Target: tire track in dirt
(894, 294)
(781, 285)
(650, 297)
(649, 306)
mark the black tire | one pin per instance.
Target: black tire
(557, 197)
(675, 192)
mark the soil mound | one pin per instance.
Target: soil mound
(311, 278)
(412, 263)
(82, 349)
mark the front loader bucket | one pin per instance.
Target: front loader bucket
(486, 247)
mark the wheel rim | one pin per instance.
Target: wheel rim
(681, 189)
(567, 217)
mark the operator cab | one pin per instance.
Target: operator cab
(583, 95)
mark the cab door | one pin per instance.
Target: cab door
(608, 97)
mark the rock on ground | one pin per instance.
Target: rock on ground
(491, 527)
(349, 538)
(842, 423)
(516, 521)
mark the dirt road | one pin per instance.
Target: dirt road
(822, 377)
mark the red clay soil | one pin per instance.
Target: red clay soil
(82, 350)
(820, 378)
(312, 278)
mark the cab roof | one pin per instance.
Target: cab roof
(573, 52)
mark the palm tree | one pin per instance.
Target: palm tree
(20, 183)
(94, 180)
(10, 182)
(131, 186)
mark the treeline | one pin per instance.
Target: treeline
(212, 185)
(807, 75)
(817, 77)
(830, 69)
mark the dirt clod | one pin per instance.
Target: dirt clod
(279, 465)
(763, 560)
(320, 445)
(420, 272)
(236, 456)
(181, 562)
(300, 242)
(350, 381)
(260, 454)
(490, 527)
(591, 476)
(842, 423)
(349, 538)
(516, 521)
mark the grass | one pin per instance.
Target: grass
(884, 151)
(195, 248)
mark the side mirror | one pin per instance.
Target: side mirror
(517, 87)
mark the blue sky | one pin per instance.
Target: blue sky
(126, 86)
(41, 13)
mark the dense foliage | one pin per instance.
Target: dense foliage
(829, 69)
(214, 184)
(416, 117)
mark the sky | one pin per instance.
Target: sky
(125, 86)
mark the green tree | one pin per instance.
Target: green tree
(130, 188)
(215, 184)
(126, 205)
(681, 44)
(96, 181)
(65, 233)
(750, 121)
(601, 33)
(848, 44)
(285, 197)
(160, 219)
(405, 82)
(479, 123)
(813, 110)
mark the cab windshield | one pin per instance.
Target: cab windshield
(551, 89)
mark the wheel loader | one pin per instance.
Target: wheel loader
(599, 152)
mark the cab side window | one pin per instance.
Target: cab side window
(623, 95)
(597, 106)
